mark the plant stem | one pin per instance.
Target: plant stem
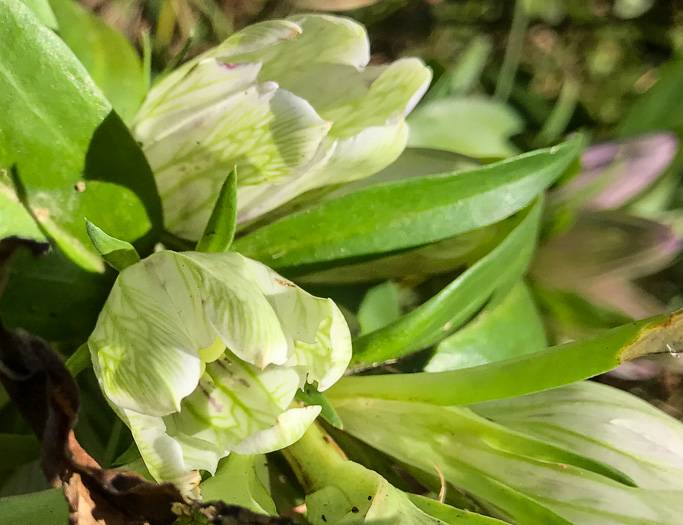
(79, 360)
(312, 457)
(513, 52)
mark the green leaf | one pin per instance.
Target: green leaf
(446, 311)
(241, 480)
(47, 508)
(509, 326)
(602, 423)
(379, 307)
(407, 213)
(553, 367)
(449, 514)
(14, 218)
(484, 126)
(524, 478)
(108, 56)
(220, 230)
(17, 449)
(117, 253)
(653, 110)
(310, 396)
(43, 11)
(74, 158)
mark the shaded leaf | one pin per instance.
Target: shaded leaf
(74, 158)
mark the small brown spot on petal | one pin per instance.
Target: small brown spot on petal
(284, 283)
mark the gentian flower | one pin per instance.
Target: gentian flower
(292, 103)
(201, 355)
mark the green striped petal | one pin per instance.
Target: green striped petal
(195, 131)
(163, 311)
(322, 342)
(288, 428)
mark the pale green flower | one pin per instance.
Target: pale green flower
(293, 103)
(201, 354)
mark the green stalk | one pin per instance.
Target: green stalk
(513, 52)
(313, 457)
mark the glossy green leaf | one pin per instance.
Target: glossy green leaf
(43, 11)
(553, 367)
(220, 229)
(509, 326)
(109, 57)
(521, 477)
(309, 395)
(117, 253)
(241, 480)
(407, 213)
(484, 126)
(449, 514)
(74, 158)
(602, 423)
(446, 311)
(47, 508)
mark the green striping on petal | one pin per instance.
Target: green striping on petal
(257, 37)
(394, 91)
(322, 346)
(177, 99)
(288, 428)
(269, 134)
(326, 360)
(243, 318)
(162, 311)
(146, 337)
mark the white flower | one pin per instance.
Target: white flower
(201, 354)
(293, 103)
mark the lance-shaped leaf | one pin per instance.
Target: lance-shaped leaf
(509, 326)
(117, 253)
(407, 213)
(220, 229)
(553, 367)
(602, 423)
(520, 477)
(446, 311)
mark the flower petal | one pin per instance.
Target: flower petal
(268, 133)
(288, 429)
(326, 360)
(236, 308)
(321, 39)
(147, 335)
(234, 400)
(322, 342)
